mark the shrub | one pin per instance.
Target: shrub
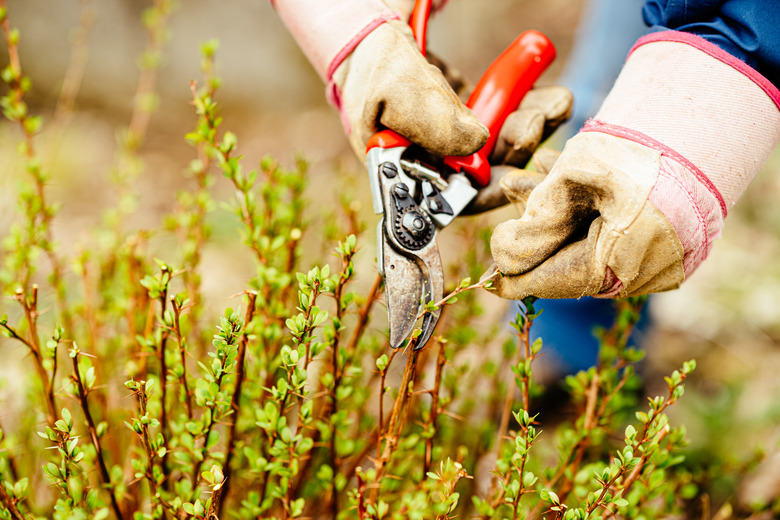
(144, 403)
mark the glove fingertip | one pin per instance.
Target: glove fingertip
(554, 101)
(517, 185)
(469, 134)
(544, 160)
(504, 248)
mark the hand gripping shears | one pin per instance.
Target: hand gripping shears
(416, 200)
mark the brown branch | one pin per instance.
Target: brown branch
(358, 458)
(360, 327)
(89, 311)
(30, 307)
(382, 379)
(74, 74)
(41, 214)
(182, 356)
(397, 417)
(196, 474)
(154, 495)
(218, 493)
(638, 468)
(10, 504)
(156, 37)
(81, 393)
(441, 360)
(506, 411)
(235, 400)
(589, 423)
(331, 406)
(164, 333)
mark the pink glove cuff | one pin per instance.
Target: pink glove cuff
(714, 51)
(328, 30)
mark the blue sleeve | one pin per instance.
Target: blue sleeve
(746, 29)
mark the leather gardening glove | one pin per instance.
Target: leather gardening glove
(636, 199)
(377, 77)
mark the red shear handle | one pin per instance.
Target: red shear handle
(419, 22)
(387, 139)
(499, 93)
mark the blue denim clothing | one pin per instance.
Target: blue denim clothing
(567, 329)
(746, 29)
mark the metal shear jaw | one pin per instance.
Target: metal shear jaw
(408, 255)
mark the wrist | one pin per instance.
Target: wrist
(329, 30)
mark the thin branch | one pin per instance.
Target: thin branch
(482, 284)
(177, 310)
(10, 504)
(397, 417)
(382, 379)
(81, 394)
(218, 493)
(74, 74)
(441, 360)
(360, 327)
(236, 399)
(164, 333)
(33, 344)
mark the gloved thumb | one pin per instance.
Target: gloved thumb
(422, 107)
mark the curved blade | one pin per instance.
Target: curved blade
(407, 256)
(411, 281)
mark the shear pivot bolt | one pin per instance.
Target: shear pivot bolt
(401, 190)
(414, 224)
(389, 170)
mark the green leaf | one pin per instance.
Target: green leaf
(381, 362)
(67, 417)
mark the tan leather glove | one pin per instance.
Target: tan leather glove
(376, 76)
(387, 83)
(587, 225)
(636, 199)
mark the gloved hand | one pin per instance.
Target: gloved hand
(386, 82)
(377, 77)
(541, 111)
(635, 200)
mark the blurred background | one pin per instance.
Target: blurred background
(727, 315)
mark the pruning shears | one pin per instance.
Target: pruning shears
(416, 200)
